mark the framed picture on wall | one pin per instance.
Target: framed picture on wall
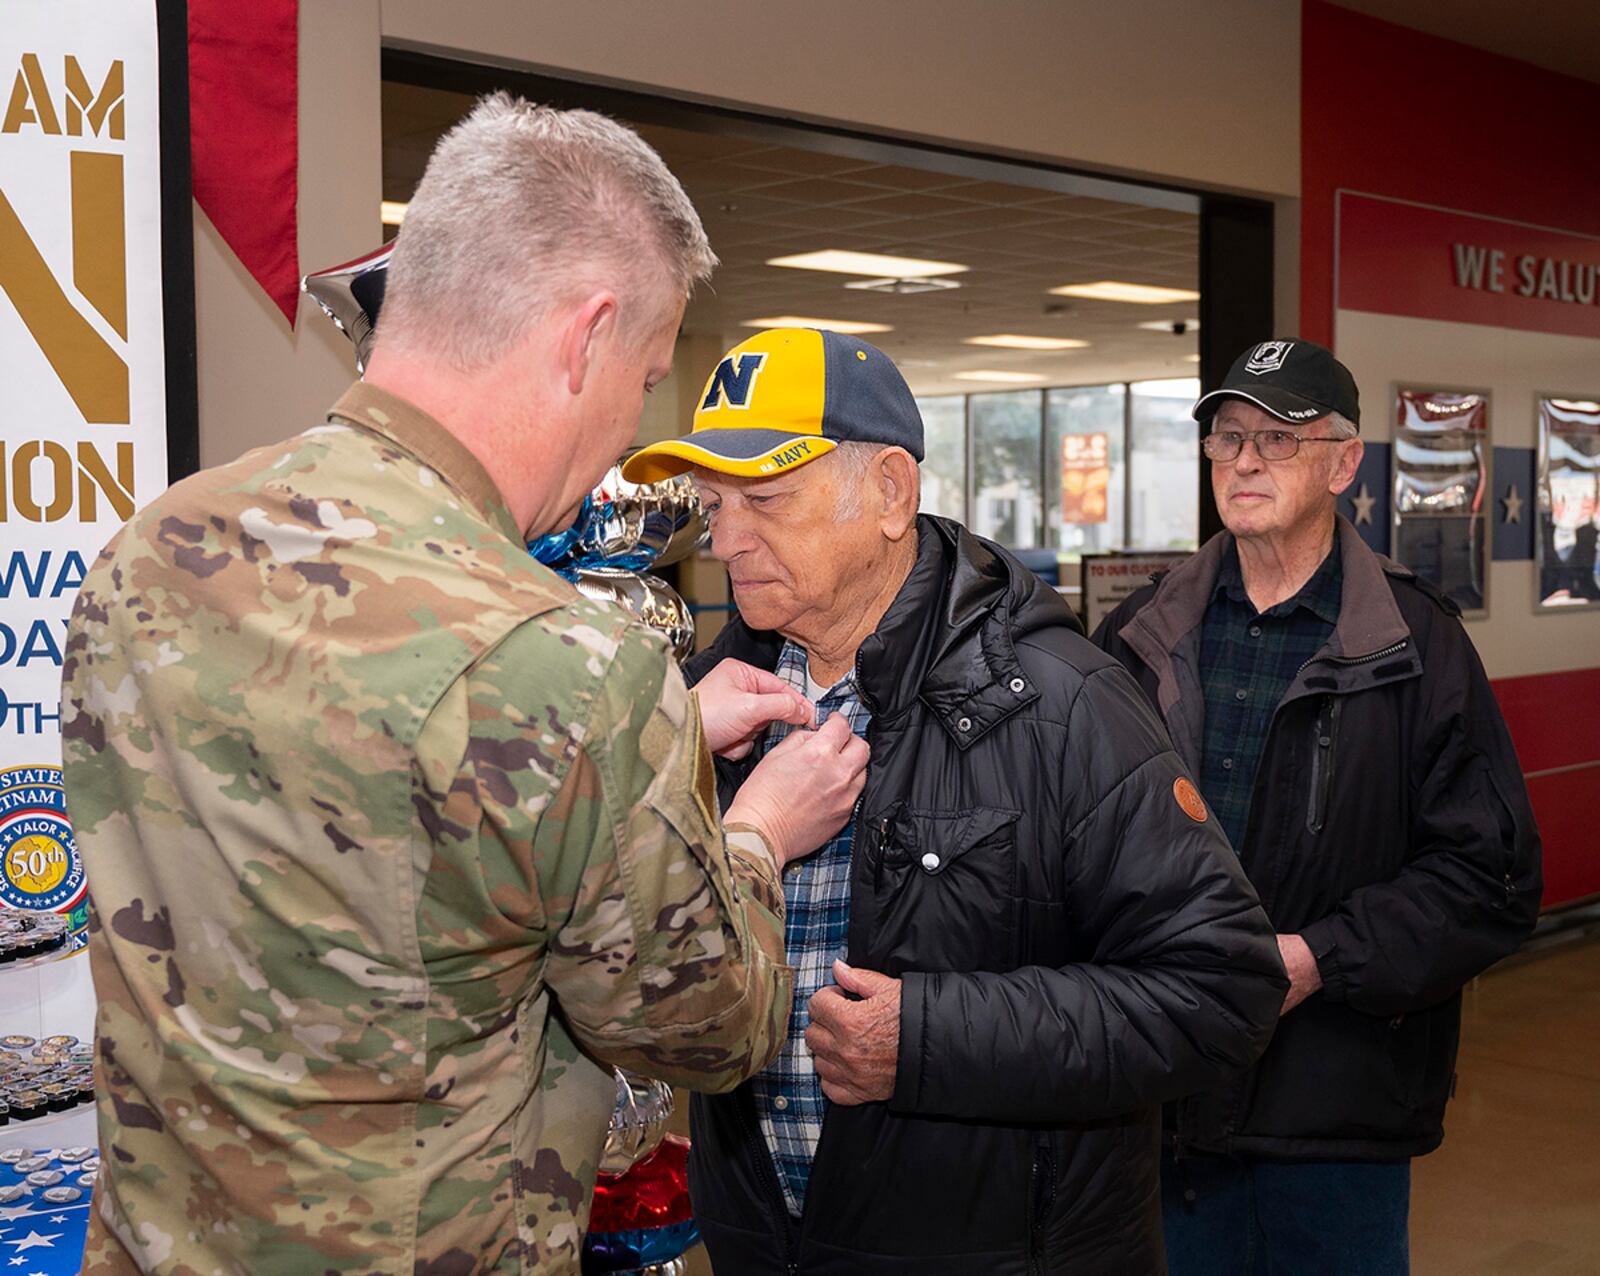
(1569, 503)
(1441, 479)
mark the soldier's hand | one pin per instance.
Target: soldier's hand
(803, 791)
(737, 701)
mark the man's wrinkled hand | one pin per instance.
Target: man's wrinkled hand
(856, 1044)
(738, 701)
(1304, 977)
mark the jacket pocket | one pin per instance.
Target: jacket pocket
(945, 887)
(1324, 739)
(1408, 1048)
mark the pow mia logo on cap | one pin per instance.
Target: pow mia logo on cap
(1268, 357)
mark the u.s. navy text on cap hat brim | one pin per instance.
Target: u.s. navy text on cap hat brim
(742, 453)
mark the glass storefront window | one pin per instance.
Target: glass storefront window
(1084, 499)
(1164, 448)
(944, 466)
(1076, 469)
(1008, 496)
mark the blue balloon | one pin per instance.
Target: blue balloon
(554, 549)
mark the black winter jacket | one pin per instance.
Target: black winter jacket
(1082, 950)
(1389, 826)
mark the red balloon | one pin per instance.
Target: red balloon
(653, 1193)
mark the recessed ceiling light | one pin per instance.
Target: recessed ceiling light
(1178, 327)
(903, 287)
(1013, 341)
(1191, 358)
(1113, 290)
(393, 211)
(841, 262)
(1007, 378)
(829, 325)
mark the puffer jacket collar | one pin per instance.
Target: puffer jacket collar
(948, 638)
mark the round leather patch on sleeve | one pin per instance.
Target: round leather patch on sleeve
(1189, 799)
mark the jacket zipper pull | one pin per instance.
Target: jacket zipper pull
(885, 838)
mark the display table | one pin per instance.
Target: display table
(45, 1194)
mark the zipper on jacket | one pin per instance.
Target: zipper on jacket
(1041, 1194)
(1325, 726)
(885, 840)
(1392, 650)
(768, 1175)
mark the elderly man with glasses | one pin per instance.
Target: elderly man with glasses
(1031, 934)
(1346, 736)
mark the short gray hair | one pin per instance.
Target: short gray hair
(1340, 427)
(525, 206)
(851, 461)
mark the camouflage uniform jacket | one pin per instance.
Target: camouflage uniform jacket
(393, 840)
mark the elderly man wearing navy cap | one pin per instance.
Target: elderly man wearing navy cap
(1347, 739)
(1032, 932)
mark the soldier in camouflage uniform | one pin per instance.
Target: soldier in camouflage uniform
(396, 843)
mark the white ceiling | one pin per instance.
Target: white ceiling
(761, 201)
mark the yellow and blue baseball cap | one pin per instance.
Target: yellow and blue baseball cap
(783, 398)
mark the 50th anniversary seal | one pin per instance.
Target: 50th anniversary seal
(39, 864)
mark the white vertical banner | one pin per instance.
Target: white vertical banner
(83, 430)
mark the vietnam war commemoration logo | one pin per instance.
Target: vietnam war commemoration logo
(39, 864)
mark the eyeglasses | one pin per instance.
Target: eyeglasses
(1271, 445)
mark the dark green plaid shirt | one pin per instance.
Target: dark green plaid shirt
(1247, 661)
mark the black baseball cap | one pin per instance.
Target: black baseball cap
(782, 399)
(1296, 381)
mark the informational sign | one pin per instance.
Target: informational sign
(84, 434)
(1109, 578)
(1085, 477)
(1401, 258)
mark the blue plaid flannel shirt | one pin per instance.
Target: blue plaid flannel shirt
(816, 897)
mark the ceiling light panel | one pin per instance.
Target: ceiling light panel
(842, 262)
(1016, 341)
(848, 326)
(1000, 378)
(1115, 290)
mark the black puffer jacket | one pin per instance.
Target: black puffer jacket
(1082, 950)
(1389, 826)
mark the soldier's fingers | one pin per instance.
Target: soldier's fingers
(835, 732)
(783, 705)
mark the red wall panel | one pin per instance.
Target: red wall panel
(1391, 111)
(1554, 718)
(1388, 111)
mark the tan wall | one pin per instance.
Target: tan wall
(260, 382)
(1197, 94)
(1205, 94)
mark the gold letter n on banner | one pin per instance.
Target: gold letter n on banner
(93, 373)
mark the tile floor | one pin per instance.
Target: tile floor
(1515, 1190)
